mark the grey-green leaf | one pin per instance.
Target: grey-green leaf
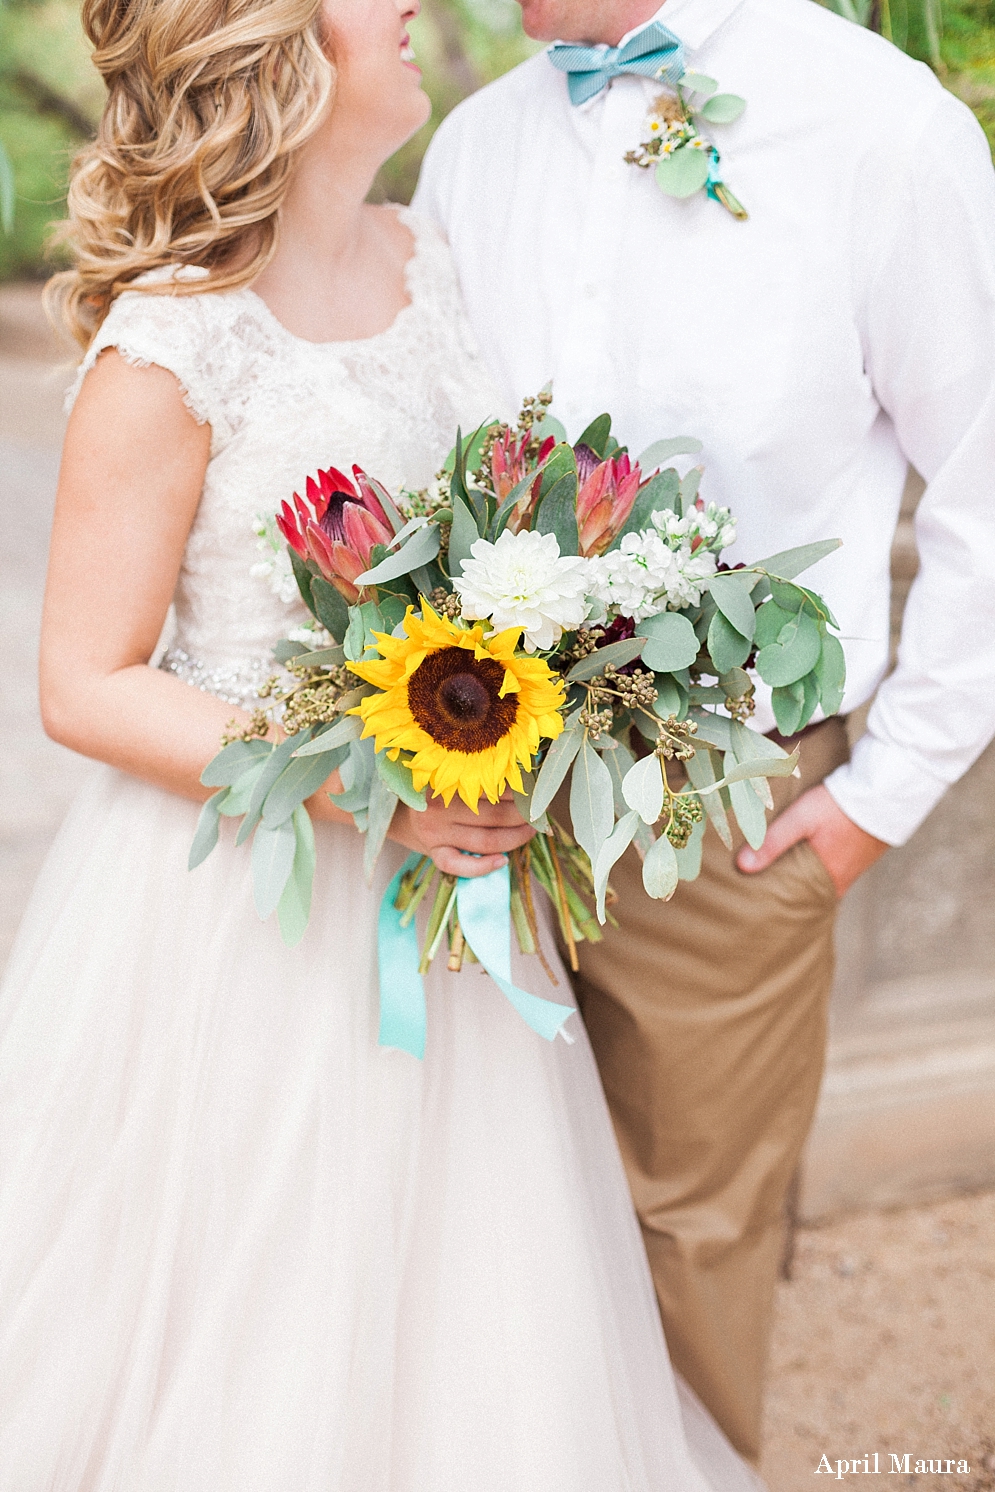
(419, 549)
(689, 858)
(697, 83)
(398, 778)
(559, 755)
(660, 870)
(727, 647)
(791, 562)
(234, 760)
(272, 861)
(383, 802)
(294, 907)
(612, 850)
(670, 641)
(681, 175)
(722, 108)
(701, 774)
(794, 654)
(830, 673)
(642, 789)
(592, 810)
(616, 653)
(349, 728)
(662, 450)
(731, 593)
(301, 777)
(206, 836)
(330, 607)
(272, 766)
(788, 703)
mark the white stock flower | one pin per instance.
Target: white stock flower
(276, 567)
(644, 575)
(524, 581)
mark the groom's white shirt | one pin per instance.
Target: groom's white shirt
(848, 327)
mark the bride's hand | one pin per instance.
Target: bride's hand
(456, 836)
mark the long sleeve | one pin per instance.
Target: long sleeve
(928, 320)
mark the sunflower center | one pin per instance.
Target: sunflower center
(456, 699)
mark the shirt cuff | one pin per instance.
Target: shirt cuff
(885, 790)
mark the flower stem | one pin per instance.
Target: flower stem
(565, 920)
(441, 907)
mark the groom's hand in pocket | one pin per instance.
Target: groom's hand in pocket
(461, 842)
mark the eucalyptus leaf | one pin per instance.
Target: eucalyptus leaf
(681, 175)
(722, 108)
(794, 654)
(689, 858)
(697, 83)
(330, 607)
(301, 777)
(420, 548)
(671, 699)
(727, 647)
(285, 650)
(746, 806)
(549, 425)
(612, 850)
(749, 745)
(791, 562)
(662, 450)
(810, 690)
(233, 761)
(670, 641)
(690, 482)
(240, 794)
(592, 810)
(559, 756)
(272, 766)
(206, 835)
(701, 774)
(349, 728)
(788, 704)
(660, 870)
(462, 536)
(771, 620)
(523, 802)
(558, 514)
(294, 907)
(322, 657)
(830, 673)
(714, 730)
(769, 766)
(616, 653)
(618, 764)
(383, 803)
(273, 853)
(642, 789)
(397, 776)
(357, 772)
(730, 591)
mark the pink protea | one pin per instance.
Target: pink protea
(509, 464)
(336, 526)
(605, 497)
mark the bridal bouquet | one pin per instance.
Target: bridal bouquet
(554, 615)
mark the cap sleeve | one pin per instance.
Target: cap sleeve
(180, 333)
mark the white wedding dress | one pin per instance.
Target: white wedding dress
(243, 1248)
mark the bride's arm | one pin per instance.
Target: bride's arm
(132, 471)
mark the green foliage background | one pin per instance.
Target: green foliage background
(50, 96)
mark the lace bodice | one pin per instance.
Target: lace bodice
(279, 408)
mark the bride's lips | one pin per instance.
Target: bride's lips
(408, 55)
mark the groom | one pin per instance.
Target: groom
(845, 329)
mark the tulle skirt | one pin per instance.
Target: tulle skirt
(244, 1249)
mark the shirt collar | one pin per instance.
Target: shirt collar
(694, 21)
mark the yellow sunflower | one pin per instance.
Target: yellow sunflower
(470, 710)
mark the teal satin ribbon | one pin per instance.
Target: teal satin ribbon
(484, 907)
(654, 52)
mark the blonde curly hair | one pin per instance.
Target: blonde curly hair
(208, 100)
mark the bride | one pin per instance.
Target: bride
(243, 1248)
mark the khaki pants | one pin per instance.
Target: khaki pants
(707, 1015)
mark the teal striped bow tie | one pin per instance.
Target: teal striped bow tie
(654, 52)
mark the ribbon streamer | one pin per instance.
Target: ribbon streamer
(484, 908)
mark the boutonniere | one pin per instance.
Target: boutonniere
(686, 161)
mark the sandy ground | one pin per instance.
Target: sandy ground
(885, 1335)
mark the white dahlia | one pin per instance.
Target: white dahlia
(524, 581)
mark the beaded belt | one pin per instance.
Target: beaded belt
(237, 682)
